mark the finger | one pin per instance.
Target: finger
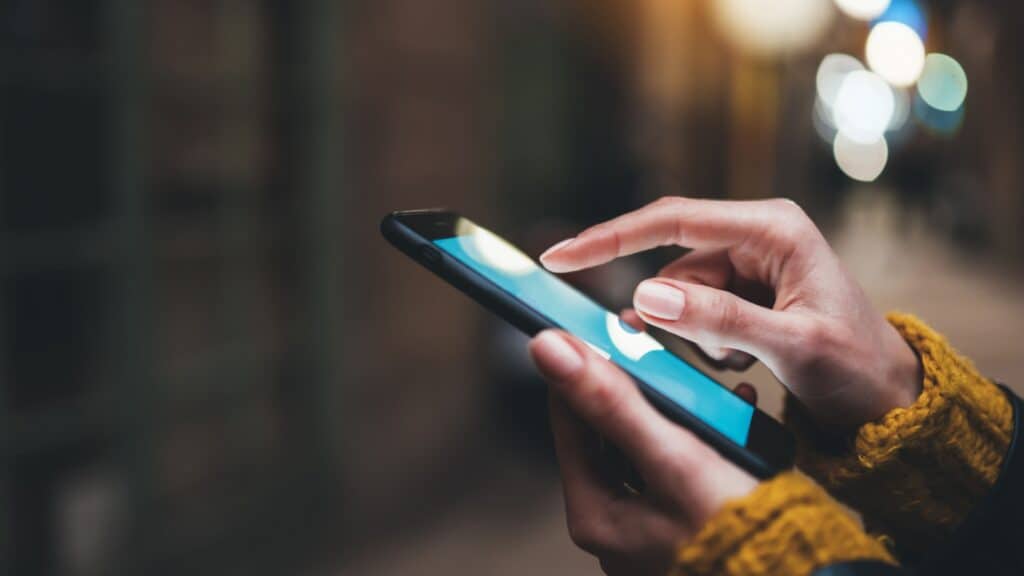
(718, 358)
(714, 318)
(698, 224)
(587, 497)
(747, 392)
(577, 449)
(714, 269)
(630, 317)
(708, 267)
(724, 358)
(737, 361)
(607, 400)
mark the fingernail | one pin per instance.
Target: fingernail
(659, 300)
(556, 357)
(556, 248)
(717, 354)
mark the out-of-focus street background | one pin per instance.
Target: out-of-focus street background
(211, 363)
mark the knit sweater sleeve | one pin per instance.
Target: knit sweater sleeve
(917, 472)
(787, 525)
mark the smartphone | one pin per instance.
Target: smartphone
(505, 280)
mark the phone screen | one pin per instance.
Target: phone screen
(638, 353)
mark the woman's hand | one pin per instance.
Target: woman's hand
(686, 481)
(761, 281)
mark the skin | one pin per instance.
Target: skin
(761, 282)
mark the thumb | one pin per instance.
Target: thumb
(714, 318)
(608, 400)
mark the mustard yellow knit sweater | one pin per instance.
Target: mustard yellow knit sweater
(913, 475)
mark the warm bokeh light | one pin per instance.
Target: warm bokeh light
(772, 27)
(943, 83)
(862, 161)
(831, 72)
(864, 106)
(863, 9)
(895, 52)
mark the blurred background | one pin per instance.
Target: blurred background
(211, 363)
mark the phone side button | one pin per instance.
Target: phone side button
(430, 255)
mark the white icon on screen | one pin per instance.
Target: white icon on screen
(631, 343)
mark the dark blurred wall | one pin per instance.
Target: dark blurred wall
(1006, 137)
(420, 135)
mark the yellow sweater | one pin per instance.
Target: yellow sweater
(913, 475)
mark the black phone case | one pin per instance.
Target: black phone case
(531, 322)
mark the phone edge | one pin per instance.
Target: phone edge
(499, 302)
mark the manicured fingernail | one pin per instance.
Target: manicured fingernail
(556, 357)
(659, 300)
(717, 354)
(556, 248)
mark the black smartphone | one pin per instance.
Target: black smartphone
(505, 280)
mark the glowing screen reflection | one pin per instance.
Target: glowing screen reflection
(636, 352)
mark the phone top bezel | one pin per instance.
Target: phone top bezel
(769, 448)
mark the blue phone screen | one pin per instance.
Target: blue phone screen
(639, 354)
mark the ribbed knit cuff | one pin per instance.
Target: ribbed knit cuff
(918, 471)
(787, 525)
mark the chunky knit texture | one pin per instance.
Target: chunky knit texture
(917, 472)
(786, 526)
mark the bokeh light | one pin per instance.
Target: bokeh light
(864, 106)
(895, 51)
(831, 72)
(772, 27)
(821, 119)
(901, 110)
(862, 161)
(907, 12)
(943, 83)
(935, 121)
(863, 9)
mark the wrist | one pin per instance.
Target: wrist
(917, 471)
(905, 378)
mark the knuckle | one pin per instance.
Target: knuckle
(795, 224)
(605, 398)
(788, 206)
(667, 201)
(672, 204)
(729, 317)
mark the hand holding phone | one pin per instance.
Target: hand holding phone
(502, 278)
(686, 482)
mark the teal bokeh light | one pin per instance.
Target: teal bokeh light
(943, 83)
(935, 121)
